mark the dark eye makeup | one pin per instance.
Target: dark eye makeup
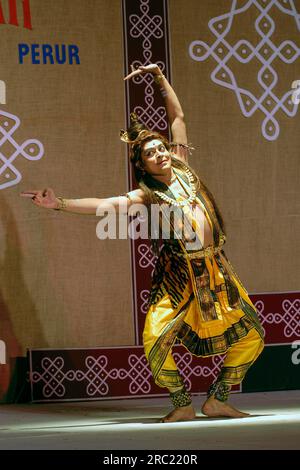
(149, 152)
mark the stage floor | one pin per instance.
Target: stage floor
(133, 424)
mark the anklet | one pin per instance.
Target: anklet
(220, 391)
(180, 398)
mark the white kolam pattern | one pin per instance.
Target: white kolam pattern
(288, 318)
(266, 53)
(148, 28)
(10, 150)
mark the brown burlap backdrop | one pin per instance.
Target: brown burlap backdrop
(255, 181)
(60, 285)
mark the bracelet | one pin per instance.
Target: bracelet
(158, 77)
(62, 204)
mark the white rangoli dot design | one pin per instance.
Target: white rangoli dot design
(147, 27)
(267, 52)
(289, 317)
(7, 162)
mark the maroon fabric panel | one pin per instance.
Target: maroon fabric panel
(146, 41)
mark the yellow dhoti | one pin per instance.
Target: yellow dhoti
(235, 331)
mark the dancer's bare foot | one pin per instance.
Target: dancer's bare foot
(216, 408)
(182, 413)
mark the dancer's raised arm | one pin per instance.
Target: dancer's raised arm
(173, 107)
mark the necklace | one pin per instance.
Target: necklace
(190, 199)
(173, 177)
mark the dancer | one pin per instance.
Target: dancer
(196, 296)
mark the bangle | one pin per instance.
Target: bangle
(158, 77)
(62, 204)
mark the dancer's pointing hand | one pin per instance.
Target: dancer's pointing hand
(42, 198)
(142, 69)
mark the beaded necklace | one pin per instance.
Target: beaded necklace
(190, 199)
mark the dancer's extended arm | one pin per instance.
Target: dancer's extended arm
(46, 199)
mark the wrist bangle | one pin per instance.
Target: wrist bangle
(62, 204)
(158, 77)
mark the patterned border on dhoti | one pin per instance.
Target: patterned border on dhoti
(234, 374)
(219, 344)
(161, 348)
